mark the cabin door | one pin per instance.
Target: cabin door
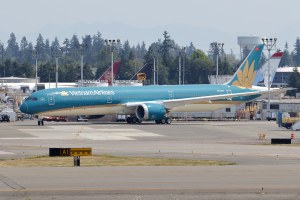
(109, 99)
(51, 99)
(171, 95)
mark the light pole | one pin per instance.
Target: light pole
(112, 45)
(155, 53)
(183, 66)
(270, 45)
(154, 70)
(36, 57)
(56, 53)
(216, 50)
(179, 70)
(81, 47)
(180, 65)
(2, 56)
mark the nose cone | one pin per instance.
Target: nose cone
(24, 108)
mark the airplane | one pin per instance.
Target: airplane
(261, 78)
(155, 102)
(106, 76)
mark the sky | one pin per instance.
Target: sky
(198, 21)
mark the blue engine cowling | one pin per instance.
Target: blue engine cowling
(150, 111)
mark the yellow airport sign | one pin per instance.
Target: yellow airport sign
(81, 152)
(70, 151)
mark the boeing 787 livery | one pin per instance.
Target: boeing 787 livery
(154, 102)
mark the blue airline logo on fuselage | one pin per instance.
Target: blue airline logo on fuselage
(87, 92)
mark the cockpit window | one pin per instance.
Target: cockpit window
(32, 99)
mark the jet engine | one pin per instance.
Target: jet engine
(150, 111)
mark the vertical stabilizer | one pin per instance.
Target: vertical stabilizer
(245, 75)
(106, 76)
(261, 78)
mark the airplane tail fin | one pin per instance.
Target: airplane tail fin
(245, 75)
(261, 78)
(106, 76)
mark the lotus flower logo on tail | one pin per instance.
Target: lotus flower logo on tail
(246, 77)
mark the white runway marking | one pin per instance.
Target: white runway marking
(85, 132)
(5, 153)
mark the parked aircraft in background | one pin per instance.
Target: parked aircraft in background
(148, 102)
(106, 76)
(261, 78)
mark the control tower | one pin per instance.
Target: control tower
(247, 43)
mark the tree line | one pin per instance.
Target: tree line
(18, 59)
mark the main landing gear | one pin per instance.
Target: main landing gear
(165, 120)
(135, 120)
(40, 122)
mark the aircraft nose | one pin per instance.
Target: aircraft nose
(24, 108)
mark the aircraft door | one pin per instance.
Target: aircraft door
(229, 92)
(171, 95)
(109, 99)
(51, 100)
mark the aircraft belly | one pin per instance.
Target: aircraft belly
(93, 110)
(201, 107)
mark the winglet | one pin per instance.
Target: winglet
(245, 75)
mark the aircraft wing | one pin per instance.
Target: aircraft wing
(171, 103)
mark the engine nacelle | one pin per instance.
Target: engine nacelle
(150, 111)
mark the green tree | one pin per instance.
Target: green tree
(190, 50)
(294, 82)
(286, 57)
(296, 57)
(75, 48)
(12, 50)
(125, 71)
(97, 49)
(88, 52)
(9, 71)
(56, 50)
(165, 49)
(47, 50)
(200, 67)
(40, 47)
(66, 47)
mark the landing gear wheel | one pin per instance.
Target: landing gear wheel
(139, 121)
(168, 120)
(129, 120)
(134, 120)
(163, 121)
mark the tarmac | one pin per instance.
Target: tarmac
(262, 170)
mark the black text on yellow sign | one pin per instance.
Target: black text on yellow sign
(70, 151)
(81, 152)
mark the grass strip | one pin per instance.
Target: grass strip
(106, 160)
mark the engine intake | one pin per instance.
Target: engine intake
(150, 111)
